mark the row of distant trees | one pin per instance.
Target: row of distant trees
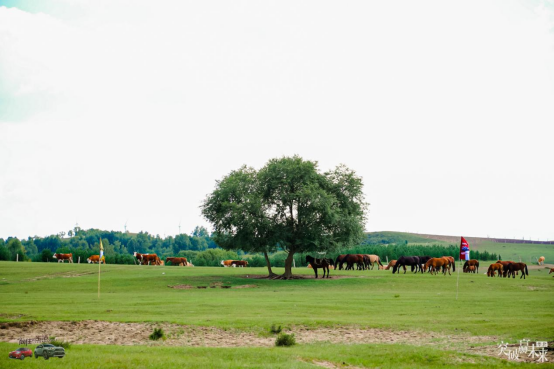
(118, 246)
(197, 247)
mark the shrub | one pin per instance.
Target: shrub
(157, 334)
(63, 344)
(274, 329)
(284, 339)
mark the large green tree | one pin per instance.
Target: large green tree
(290, 205)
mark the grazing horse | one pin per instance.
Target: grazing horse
(473, 262)
(513, 267)
(371, 259)
(422, 261)
(452, 262)
(435, 264)
(406, 260)
(551, 271)
(339, 261)
(350, 259)
(493, 268)
(541, 260)
(392, 263)
(318, 263)
(504, 266)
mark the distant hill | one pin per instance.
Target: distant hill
(388, 237)
(508, 249)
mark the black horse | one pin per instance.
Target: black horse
(319, 263)
(412, 261)
(422, 261)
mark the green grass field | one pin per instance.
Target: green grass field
(507, 309)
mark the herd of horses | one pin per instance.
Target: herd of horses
(507, 268)
(417, 264)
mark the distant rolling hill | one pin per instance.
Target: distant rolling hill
(509, 249)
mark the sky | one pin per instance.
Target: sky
(120, 112)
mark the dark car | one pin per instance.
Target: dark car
(47, 351)
(20, 353)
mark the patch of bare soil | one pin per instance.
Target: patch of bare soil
(181, 286)
(58, 275)
(101, 332)
(246, 286)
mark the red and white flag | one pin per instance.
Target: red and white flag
(464, 249)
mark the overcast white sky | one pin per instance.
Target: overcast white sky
(129, 111)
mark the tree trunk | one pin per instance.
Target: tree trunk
(288, 265)
(271, 274)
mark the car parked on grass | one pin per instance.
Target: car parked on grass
(47, 351)
(20, 353)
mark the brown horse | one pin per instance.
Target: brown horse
(350, 259)
(318, 263)
(436, 263)
(452, 262)
(391, 264)
(514, 267)
(505, 266)
(493, 268)
(371, 260)
(473, 262)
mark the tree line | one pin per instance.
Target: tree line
(118, 246)
(198, 247)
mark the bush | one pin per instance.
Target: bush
(63, 344)
(157, 334)
(284, 339)
(274, 329)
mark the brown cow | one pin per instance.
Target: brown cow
(177, 261)
(62, 257)
(551, 271)
(239, 263)
(226, 263)
(147, 259)
(541, 260)
(94, 259)
(151, 259)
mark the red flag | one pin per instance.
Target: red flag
(464, 249)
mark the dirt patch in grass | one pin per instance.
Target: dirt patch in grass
(58, 275)
(246, 286)
(102, 332)
(181, 286)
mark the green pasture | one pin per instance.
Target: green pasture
(526, 251)
(508, 308)
(304, 356)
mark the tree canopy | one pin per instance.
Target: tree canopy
(290, 205)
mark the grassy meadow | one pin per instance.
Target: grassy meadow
(508, 309)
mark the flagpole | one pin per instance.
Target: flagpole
(458, 280)
(101, 254)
